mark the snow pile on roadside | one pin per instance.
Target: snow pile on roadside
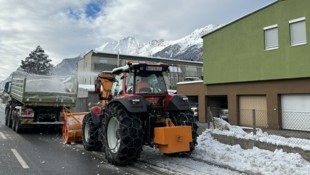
(224, 128)
(251, 161)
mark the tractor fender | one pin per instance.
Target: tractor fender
(96, 113)
(177, 103)
(133, 104)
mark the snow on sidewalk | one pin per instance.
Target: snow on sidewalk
(252, 161)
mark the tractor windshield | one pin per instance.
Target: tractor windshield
(146, 82)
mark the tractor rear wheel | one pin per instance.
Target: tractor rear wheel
(90, 134)
(186, 118)
(123, 135)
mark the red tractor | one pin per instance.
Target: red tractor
(137, 110)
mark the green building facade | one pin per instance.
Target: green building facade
(237, 52)
(261, 62)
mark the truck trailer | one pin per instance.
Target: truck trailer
(38, 100)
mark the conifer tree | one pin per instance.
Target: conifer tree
(37, 63)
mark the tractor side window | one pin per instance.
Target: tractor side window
(160, 85)
(157, 83)
(129, 83)
(117, 85)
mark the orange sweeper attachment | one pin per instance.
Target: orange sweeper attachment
(72, 128)
(73, 121)
(173, 139)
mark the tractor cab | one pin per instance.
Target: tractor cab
(144, 80)
(140, 78)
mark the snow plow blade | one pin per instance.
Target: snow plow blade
(173, 139)
(72, 127)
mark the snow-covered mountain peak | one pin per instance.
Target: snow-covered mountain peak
(126, 45)
(195, 36)
(161, 48)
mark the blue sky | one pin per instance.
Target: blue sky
(68, 28)
(94, 7)
(90, 10)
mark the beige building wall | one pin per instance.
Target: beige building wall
(94, 62)
(84, 69)
(195, 88)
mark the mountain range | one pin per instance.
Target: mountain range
(188, 47)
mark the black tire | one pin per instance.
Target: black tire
(90, 135)
(13, 121)
(186, 118)
(123, 135)
(17, 124)
(7, 116)
(10, 118)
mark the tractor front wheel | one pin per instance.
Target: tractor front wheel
(123, 135)
(90, 136)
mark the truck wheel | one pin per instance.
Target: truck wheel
(13, 122)
(7, 117)
(90, 134)
(123, 135)
(186, 118)
(16, 127)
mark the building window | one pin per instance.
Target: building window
(271, 37)
(199, 71)
(298, 31)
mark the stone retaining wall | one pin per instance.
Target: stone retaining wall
(249, 144)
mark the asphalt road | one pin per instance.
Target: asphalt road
(41, 151)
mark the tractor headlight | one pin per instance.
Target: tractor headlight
(185, 98)
(135, 101)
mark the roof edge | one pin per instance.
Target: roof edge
(228, 24)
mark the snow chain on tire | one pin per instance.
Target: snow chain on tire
(123, 135)
(90, 135)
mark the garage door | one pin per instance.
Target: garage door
(296, 112)
(246, 106)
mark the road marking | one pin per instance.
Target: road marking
(2, 135)
(20, 159)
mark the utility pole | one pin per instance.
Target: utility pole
(118, 58)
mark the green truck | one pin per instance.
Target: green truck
(38, 100)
